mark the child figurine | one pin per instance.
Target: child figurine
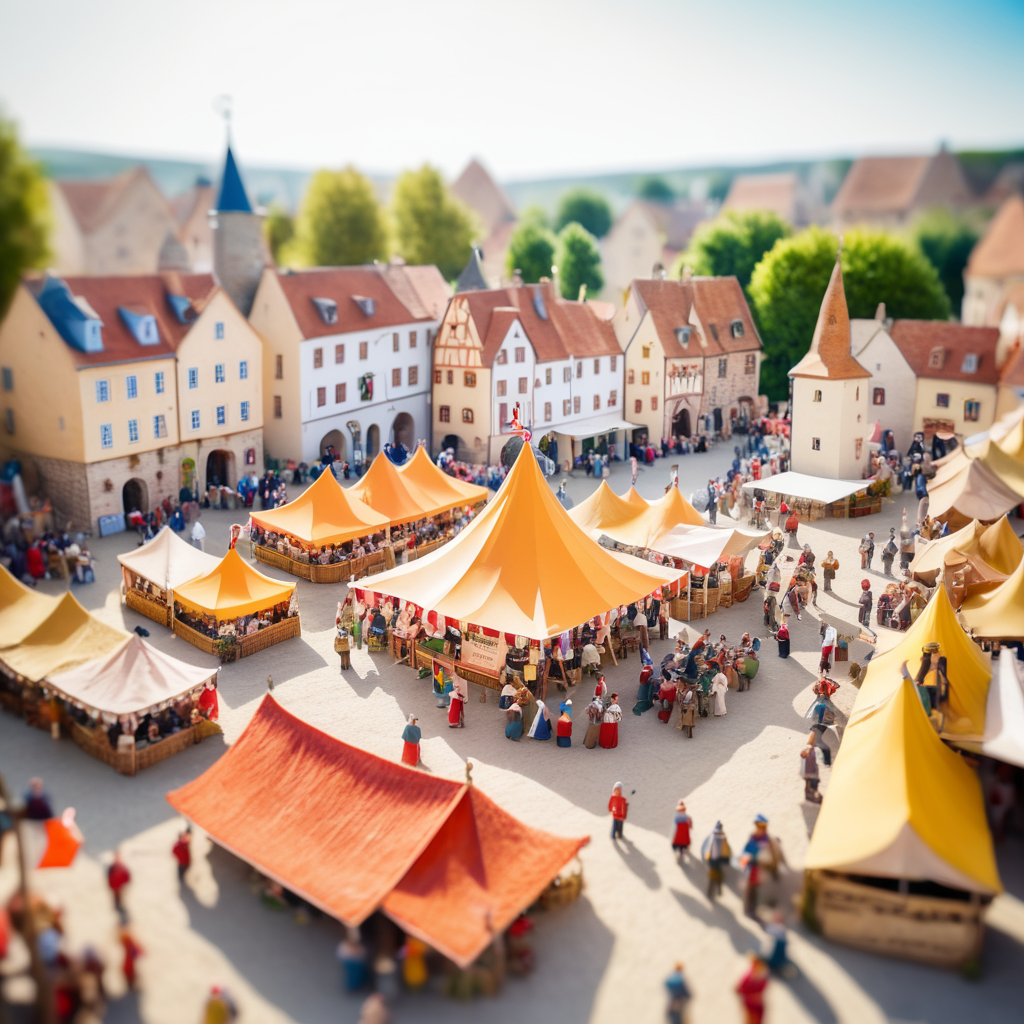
(716, 852)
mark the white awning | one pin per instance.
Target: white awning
(800, 485)
(1004, 715)
(593, 426)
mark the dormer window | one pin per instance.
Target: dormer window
(538, 304)
(141, 325)
(736, 327)
(970, 363)
(368, 306)
(683, 336)
(328, 310)
(182, 309)
(936, 358)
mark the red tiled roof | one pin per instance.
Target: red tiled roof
(917, 338)
(1000, 251)
(422, 290)
(718, 302)
(140, 293)
(881, 184)
(774, 192)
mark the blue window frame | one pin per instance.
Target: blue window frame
(132, 385)
(106, 436)
(218, 330)
(218, 373)
(243, 370)
(245, 410)
(193, 378)
(195, 419)
(133, 430)
(103, 391)
(159, 427)
(159, 377)
(222, 415)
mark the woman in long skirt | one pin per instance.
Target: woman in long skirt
(782, 637)
(595, 712)
(563, 727)
(644, 700)
(719, 688)
(514, 722)
(609, 735)
(457, 707)
(411, 737)
(541, 727)
(681, 836)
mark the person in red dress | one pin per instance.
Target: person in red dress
(563, 728)
(118, 876)
(411, 742)
(751, 990)
(683, 823)
(457, 706)
(609, 736)
(132, 952)
(209, 706)
(618, 806)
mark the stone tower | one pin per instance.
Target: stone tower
(829, 388)
(239, 254)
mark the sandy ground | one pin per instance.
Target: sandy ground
(602, 959)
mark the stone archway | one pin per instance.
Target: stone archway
(135, 496)
(681, 426)
(220, 468)
(334, 439)
(372, 441)
(403, 431)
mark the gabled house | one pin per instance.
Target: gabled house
(195, 233)
(889, 191)
(347, 357)
(558, 359)
(783, 194)
(995, 266)
(120, 225)
(118, 391)
(477, 189)
(693, 356)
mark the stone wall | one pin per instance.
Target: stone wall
(725, 392)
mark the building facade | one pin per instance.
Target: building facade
(995, 268)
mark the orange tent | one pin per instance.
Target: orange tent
(523, 566)
(646, 529)
(604, 508)
(633, 497)
(233, 588)
(353, 833)
(393, 495)
(438, 485)
(325, 513)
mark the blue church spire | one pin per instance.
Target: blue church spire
(232, 197)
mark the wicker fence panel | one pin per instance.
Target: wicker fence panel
(271, 557)
(194, 637)
(269, 635)
(155, 610)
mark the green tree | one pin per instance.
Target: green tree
(946, 242)
(657, 190)
(340, 223)
(278, 230)
(535, 215)
(24, 214)
(431, 225)
(579, 261)
(787, 287)
(585, 207)
(732, 244)
(531, 251)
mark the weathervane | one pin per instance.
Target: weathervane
(222, 108)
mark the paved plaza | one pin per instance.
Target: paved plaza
(603, 958)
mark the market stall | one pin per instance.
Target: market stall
(997, 614)
(234, 610)
(151, 573)
(445, 490)
(315, 536)
(604, 510)
(456, 870)
(988, 548)
(1003, 739)
(135, 706)
(816, 497)
(22, 609)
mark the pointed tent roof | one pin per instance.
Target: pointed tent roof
(707, 545)
(393, 495)
(634, 498)
(602, 509)
(830, 354)
(1004, 715)
(973, 491)
(167, 560)
(325, 513)
(523, 566)
(442, 875)
(422, 471)
(901, 804)
(132, 678)
(646, 529)
(998, 614)
(967, 667)
(232, 198)
(996, 545)
(67, 636)
(21, 609)
(232, 588)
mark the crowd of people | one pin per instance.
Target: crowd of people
(61, 553)
(242, 625)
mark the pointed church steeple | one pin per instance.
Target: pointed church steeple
(232, 198)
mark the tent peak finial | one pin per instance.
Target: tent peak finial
(469, 773)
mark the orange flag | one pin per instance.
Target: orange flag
(62, 841)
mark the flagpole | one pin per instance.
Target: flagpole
(44, 996)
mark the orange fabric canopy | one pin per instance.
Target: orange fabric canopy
(233, 588)
(603, 509)
(438, 485)
(634, 498)
(393, 495)
(522, 566)
(646, 529)
(325, 513)
(351, 833)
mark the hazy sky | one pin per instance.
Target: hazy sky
(534, 87)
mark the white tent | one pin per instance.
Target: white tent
(1004, 715)
(168, 561)
(801, 485)
(705, 545)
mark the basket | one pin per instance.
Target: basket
(564, 889)
(712, 600)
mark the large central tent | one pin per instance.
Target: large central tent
(232, 588)
(523, 566)
(395, 496)
(447, 491)
(352, 833)
(325, 513)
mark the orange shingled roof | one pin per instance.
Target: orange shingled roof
(1000, 251)
(917, 338)
(774, 192)
(881, 184)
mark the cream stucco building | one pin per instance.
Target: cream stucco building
(995, 269)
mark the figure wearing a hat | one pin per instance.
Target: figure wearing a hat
(715, 852)
(411, 742)
(889, 552)
(618, 807)
(829, 564)
(865, 602)
(563, 728)
(683, 823)
(782, 637)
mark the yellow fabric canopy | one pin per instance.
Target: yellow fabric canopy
(633, 497)
(901, 804)
(996, 545)
(325, 513)
(21, 609)
(646, 529)
(233, 588)
(998, 614)
(967, 667)
(399, 498)
(67, 636)
(604, 508)
(522, 566)
(438, 485)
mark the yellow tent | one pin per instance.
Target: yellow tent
(604, 508)
(523, 566)
(967, 667)
(386, 491)
(996, 545)
(438, 485)
(901, 804)
(67, 636)
(233, 588)
(645, 530)
(998, 614)
(325, 513)
(21, 609)
(634, 499)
